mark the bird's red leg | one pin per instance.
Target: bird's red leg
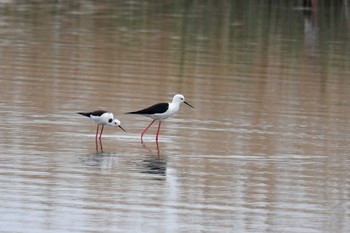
(158, 130)
(101, 145)
(101, 131)
(158, 150)
(97, 132)
(96, 138)
(143, 132)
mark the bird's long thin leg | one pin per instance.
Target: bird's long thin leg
(96, 138)
(101, 131)
(143, 132)
(158, 150)
(158, 130)
(97, 132)
(101, 145)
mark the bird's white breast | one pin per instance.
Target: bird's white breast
(173, 108)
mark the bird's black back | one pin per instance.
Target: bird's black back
(94, 113)
(157, 108)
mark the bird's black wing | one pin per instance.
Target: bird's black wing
(157, 108)
(94, 113)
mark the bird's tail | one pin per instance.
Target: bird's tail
(87, 114)
(131, 113)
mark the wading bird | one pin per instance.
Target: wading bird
(101, 117)
(161, 111)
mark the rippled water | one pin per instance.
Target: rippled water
(266, 148)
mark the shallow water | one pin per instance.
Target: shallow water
(264, 150)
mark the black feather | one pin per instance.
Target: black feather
(157, 108)
(94, 113)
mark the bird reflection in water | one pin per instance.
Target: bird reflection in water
(100, 161)
(99, 146)
(150, 151)
(155, 165)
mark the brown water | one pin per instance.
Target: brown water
(266, 148)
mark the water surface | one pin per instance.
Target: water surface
(264, 150)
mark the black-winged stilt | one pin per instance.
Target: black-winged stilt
(161, 111)
(101, 117)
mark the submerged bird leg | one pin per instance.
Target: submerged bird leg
(143, 132)
(101, 145)
(160, 122)
(96, 145)
(158, 150)
(101, 131)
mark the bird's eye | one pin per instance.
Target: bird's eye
(110, 120)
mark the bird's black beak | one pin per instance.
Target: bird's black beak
(188, 104)
(122, 128)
